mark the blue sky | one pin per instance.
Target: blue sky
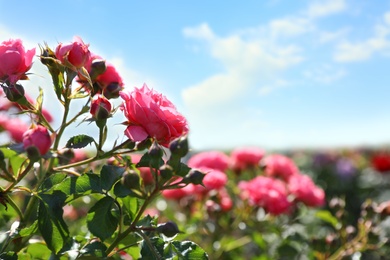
(274, 74)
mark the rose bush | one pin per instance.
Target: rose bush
(148, 195)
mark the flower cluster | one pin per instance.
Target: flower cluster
(277, 185)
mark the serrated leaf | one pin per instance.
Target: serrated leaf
(78, 186)
(189, 250)
(50, 222)
(100, 219)
(79, 141)
(109, 175)
(122, 191)
(95, 249)
(158, 245)
(52, 181)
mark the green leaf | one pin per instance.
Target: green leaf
(147, 161)
(95, 249)
(15, 159)
(50, 222)
(100, 219)
(79, 141)
(189, 250)
(121, 191)
(79, 186)
(326, 216)
(182, 169)
(131, 206)
(27, 231)
(9, 256)
(52, 181)
(109, 175)
(158, 248)
(37, 251)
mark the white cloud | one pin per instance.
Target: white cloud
(325, 73)
(277, 84)
(364, 49)
(325, 8)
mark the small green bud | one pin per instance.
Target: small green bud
(168, 229)
(179, 146)
(14, 92)
(98, 66)
(155, 151)
(166, 172)
(131, 180)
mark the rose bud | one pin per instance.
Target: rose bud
(168, 229)
(100, 107)
(36, 141)
(14, 92)
(75, 54)
(131, 180)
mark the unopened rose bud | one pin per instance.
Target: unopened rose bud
(168, 229)
(131, 180)
(166, 172)
(36, 139)
(194, 177)
(179, 146)
(98, 66)
(100, 107)
(112, 90)
(155, 151)
(14, 92)
(75, 54)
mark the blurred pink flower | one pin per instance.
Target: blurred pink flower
(304, 190)
(213, 180)
(246, 157)
(150, 114)
(212, 159)
(14, 126)
(74, 54)
(278, 165)
(268, 193)
(14, 60)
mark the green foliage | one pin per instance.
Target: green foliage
(79, 141)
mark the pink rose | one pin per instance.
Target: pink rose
(37, 137)
(212, 159)
(74, 54)
(14, 61)
(100, 107)
(268, 193)
(304, 190)
(150, 114)
(14, 126)
(243, 158)
(278, 165)
(213, 180)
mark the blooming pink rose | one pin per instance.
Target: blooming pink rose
(150, 114)
(74, 54)
(304, 189)
(246, 157)
(177, 194)
(278, 165)
(212, 159)
(268, 193)
(38, 137)
(100, 107)
(14, 126)
(14, 60)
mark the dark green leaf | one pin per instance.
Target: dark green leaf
(152, 253)
(95, 249)
(9, 256)
(182, 169)
(78, 186)
(50, 222)
(121, 191)
(147, 161)
(79, 141)
(189, 250)
(101, 220)
(109, 175)
(52, 180)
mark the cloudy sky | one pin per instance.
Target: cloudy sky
(274, 74)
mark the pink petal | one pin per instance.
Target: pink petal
(136, 133)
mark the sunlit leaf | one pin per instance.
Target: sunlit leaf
(109, 175)
(79, 141)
